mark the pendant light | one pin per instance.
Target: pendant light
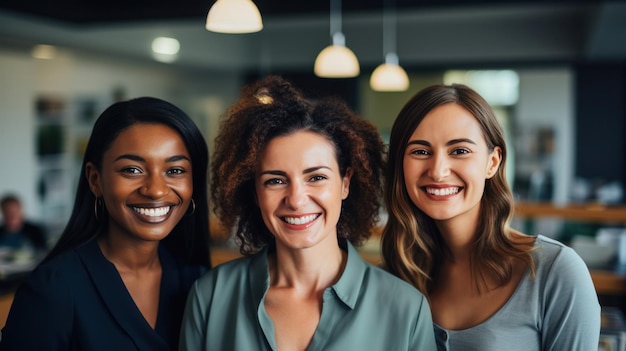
(336, 60)
(389, 76)
(234, 17)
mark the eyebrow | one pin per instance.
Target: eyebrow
(449, 143)
(284, 174)
(141, 159)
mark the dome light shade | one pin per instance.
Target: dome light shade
(336, 61)
(389, 76)
(234, 17)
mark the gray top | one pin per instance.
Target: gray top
(367, 309)
(557, 310)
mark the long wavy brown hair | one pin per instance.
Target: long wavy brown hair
(412, 246)
(271, 108)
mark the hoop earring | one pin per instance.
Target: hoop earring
(193, 208)
(97, 203)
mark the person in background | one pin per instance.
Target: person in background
(16, 232)
(118, 277)
(301, 183)
(490, 286)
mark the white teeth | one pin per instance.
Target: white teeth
(300, 220)
(152, 212)
(442, 192)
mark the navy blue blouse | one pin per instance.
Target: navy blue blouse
(78, 301)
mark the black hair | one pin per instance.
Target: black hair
(190, 238)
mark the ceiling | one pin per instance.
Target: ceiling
(429, 32)
(95, 12)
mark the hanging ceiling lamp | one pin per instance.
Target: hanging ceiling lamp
(336, 60)
(234, 17)
(389, 76)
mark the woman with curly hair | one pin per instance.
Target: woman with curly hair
(490, 287)
(300, 182)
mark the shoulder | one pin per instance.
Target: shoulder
(223, 285)
(383, 286)
(390, 281)
(63, 266)
(376, 281)
(228, 273)
(68, 261)
(557, 263)
(53, 282)
(548, 251)
(387, 296)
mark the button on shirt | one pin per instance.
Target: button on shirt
(367, 309)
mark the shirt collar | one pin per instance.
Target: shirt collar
(347, 288)
(349, 285)
(259, 275)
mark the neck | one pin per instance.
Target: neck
(458, 238)
(312, 269)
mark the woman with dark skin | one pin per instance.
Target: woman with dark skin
(300, 183)
(490, 286)
(137, 238)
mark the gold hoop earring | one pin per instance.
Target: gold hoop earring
(193, 208)
(97, 203)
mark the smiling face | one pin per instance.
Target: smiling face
(145, 182)
(299, 190)
(446, 163)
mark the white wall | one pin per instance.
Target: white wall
(17, 145)
(547, 99)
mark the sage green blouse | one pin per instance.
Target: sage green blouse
(367, 309)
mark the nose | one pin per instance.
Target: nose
(439, 167)
(155, 186)
(296, 197)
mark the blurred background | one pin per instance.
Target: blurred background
(554, 71)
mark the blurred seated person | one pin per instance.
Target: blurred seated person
(16, 232)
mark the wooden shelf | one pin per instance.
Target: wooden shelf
(608, 282)
(583, 212)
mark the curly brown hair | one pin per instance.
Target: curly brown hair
(271, 108)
